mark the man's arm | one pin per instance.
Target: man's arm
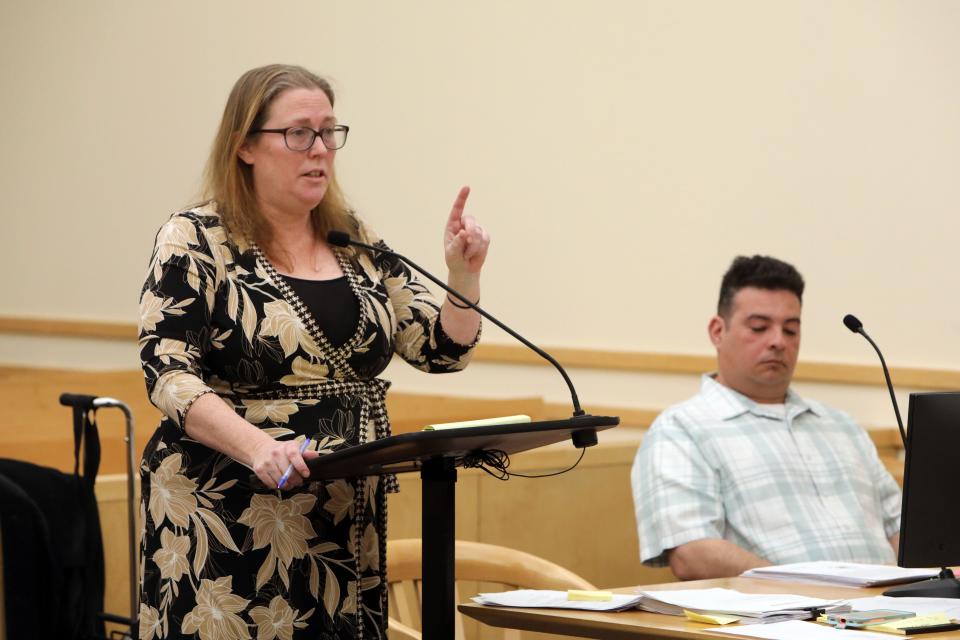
(711, 558)
(676, 491)
(886, 488)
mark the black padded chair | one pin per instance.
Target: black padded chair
(53, 567)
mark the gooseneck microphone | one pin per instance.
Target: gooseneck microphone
(341, 239)
(854, 324)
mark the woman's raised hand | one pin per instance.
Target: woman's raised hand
(464, 241)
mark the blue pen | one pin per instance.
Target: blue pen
(286, 474)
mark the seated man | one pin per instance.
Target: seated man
(748, 473)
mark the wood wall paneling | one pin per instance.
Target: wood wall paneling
(582, 520)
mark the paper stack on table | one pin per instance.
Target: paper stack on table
(755, 606)
(848, 574)
(538, 598)
(752, 606)
(796, 630)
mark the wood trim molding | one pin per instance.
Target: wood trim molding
(640, 362)
(68, 328)
(571, 357)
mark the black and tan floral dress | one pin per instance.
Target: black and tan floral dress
(224, 557)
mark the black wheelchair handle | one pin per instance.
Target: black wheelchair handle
(79, 400)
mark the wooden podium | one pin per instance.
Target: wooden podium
(437, 454)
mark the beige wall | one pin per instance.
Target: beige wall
(621, 153)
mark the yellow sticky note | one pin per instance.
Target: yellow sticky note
(589, 596)
(709, 618)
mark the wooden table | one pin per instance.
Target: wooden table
(637, 624)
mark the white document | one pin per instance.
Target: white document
(538, 598)
(797, 630)
(729, 601)
(920, 606)
(845, 573)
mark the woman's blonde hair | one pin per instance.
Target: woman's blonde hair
(228, 181)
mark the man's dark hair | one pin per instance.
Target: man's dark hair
(762, 272)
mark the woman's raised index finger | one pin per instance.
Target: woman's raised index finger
(459, 204)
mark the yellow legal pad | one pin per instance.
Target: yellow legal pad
(485, 422)
(898, 626)
(589, 596)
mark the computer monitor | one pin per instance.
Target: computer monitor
(929, 519)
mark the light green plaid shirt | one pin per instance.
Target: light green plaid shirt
(805, 486)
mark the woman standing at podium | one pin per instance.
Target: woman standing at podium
(256, 335)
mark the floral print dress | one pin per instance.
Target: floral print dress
(222, 556)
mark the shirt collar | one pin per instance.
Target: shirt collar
(730, 404)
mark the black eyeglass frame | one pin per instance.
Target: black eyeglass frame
(317, 133)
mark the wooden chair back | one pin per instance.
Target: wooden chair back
(475, 562)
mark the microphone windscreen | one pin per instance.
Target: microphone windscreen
(853, 323)
(338, 238)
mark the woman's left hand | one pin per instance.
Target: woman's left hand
(464, 241)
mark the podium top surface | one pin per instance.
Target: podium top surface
(408, 451)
